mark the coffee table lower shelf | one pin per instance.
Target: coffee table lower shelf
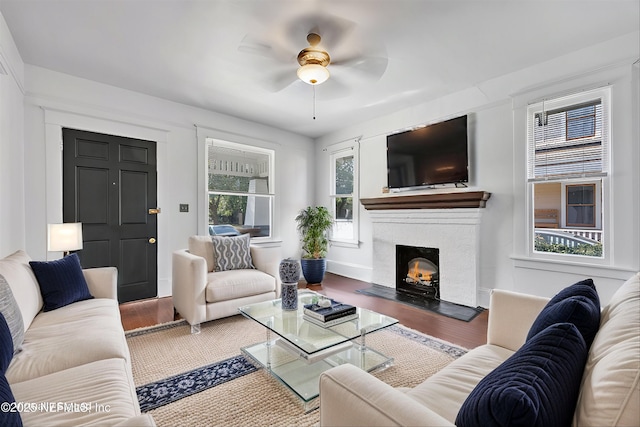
(302, 377)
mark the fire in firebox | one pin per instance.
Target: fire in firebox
(420, 271)
(417, 270)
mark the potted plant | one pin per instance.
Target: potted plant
(313, 225)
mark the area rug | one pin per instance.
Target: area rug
(197, 380)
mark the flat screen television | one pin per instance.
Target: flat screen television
(428, 156)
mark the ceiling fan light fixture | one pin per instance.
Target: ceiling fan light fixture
(313, 74)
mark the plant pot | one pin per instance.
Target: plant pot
(313, 270)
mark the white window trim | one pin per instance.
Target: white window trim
(553, 102)
(270, 153)
(343, 150)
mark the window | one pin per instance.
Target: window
(581, 205)
(568, 152)
(240, 189)
(581, 122)
(343, 195)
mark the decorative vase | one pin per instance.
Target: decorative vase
(289, 275)
(289, 270)
(313, 270)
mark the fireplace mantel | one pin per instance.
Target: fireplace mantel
(463, 199)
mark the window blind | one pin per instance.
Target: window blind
(569, 137)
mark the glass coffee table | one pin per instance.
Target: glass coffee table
(296, 351)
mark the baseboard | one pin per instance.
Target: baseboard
(352, 271)
(484, 297)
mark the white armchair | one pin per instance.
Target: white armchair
(201, 294)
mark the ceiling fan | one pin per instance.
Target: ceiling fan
(313, 62)
(358, 59)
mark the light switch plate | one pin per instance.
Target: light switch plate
(184, 207)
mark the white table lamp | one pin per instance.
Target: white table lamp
(64, 237)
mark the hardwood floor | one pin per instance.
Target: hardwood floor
(466, 334)
(149, 312)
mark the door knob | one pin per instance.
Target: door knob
(152, 240)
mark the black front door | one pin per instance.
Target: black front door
(109, 185)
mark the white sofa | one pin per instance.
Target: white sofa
(201, 294)
(609, 393)
(74, 367)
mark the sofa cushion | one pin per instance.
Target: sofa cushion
(11, 312)
(451, 386)
(88, 330)
(232, 252)
(61, 281)
(24, 286)
(103, 392)
(610, 392)
(232, 284)
(202, 246)
(537, 386)
(578, 304)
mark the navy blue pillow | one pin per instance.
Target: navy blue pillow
(583, 287)
(6, 345)
(578, 304)
(537, 386)
(61, 281)
(9, 416)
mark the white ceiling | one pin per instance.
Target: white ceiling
(239, 56)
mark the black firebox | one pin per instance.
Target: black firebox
(417, 271)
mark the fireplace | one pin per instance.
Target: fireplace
(418, 271)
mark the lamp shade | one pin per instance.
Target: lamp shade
(64, 237)
(313, 74)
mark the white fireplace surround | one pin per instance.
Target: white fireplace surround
(454, 231)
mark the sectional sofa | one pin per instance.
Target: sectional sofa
(543, 358)
(71, 365)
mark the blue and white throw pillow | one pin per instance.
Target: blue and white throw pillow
(232, 252)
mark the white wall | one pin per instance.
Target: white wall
(56, 100)
(497, 166)
(36, 103)
(12, 209)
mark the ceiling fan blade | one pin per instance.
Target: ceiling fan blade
(281, 81)
(258, 46)
(333, 88)
(370, 67)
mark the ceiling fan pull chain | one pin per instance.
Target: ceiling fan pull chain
(314, 101)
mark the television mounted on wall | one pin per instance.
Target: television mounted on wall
(429, 156)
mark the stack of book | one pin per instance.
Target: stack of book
(327, 316)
